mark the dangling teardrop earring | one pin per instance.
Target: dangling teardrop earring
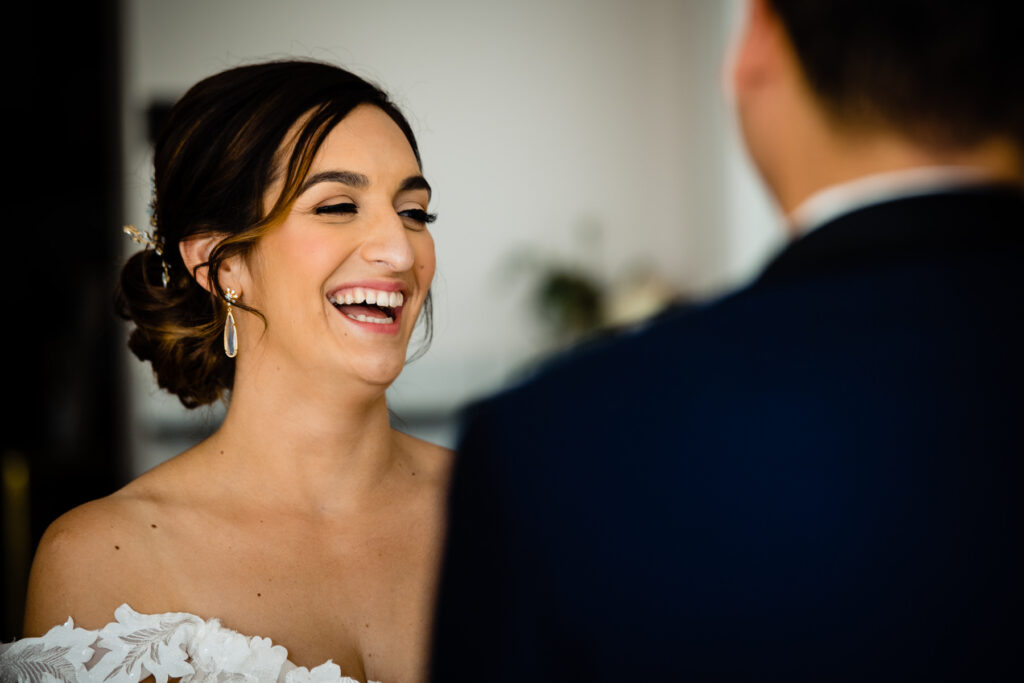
(230, 332)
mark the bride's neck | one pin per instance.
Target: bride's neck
(324, 446)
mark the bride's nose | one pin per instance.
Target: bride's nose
(387, 243)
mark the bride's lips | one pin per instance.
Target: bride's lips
(373, 305)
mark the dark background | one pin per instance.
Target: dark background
(61, 443)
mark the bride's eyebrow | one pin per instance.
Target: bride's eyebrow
(350, 178)
(416, 182)
(360, 181)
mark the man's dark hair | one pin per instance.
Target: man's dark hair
(944, 72)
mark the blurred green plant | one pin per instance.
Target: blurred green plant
(569, 302)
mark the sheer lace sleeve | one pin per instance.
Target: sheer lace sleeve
(165, 646)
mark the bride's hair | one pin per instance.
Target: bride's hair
(213, 162)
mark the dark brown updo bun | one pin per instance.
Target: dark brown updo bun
(213, 162)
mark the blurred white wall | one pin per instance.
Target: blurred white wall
(591, 131)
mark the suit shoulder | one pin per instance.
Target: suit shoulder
(671, 336)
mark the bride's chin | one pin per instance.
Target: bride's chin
(377, 372)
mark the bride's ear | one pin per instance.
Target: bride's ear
(195, 253)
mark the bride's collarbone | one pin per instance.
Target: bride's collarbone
(351, 589)
(323, 592)
(355, 616)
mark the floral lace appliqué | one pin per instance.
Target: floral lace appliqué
(136, 646)
(59, 656)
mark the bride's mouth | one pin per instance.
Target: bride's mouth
(368, 305)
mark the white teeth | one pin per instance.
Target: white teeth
(359, 295)
(367, 319)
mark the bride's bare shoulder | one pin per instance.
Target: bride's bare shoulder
(430, 458)
(97, 555)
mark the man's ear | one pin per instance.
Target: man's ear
(758, 50)
(195, 253)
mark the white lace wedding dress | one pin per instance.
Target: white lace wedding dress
(172, 645)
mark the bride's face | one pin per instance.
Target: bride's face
(341, 280)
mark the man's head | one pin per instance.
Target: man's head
(939, 78)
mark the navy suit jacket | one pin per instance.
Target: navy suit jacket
(818, 477)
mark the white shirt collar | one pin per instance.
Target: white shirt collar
(834, 201)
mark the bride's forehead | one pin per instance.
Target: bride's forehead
(366, 136)
(366, 142)
(366, 133)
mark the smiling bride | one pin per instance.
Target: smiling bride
(289, 263)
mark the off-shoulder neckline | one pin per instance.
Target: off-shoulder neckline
(164, 628)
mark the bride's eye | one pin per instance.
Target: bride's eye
(419, 217)
(344, 207)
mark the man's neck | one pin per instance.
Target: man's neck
(836, 200)
(838, 162)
